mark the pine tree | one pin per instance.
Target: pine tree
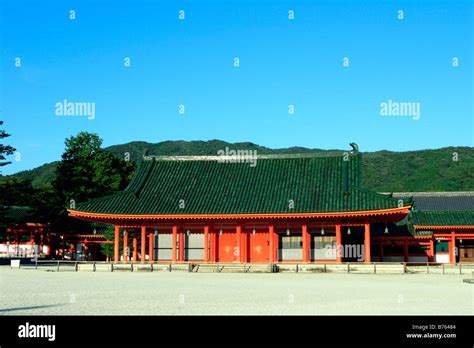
(5, 150)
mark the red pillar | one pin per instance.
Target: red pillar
(238, 236)
(116, 243)
(367, 242)
(150, 247)
(181, 246)
(452, 248)
(381, 250)
(52, 247)
(213, 246)
(338, 243)
(271, 238)
(304, 235)
(431, 255)
(206, 243)
(125, 246)
(405, 250)
(41, 242)
(143, 246)
(32, 243)
(135, 246)
(174, 240)
(244, 246)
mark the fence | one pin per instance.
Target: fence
(370, 268)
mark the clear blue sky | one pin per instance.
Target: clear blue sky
(282, 62)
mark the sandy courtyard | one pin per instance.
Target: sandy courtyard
(70, 293)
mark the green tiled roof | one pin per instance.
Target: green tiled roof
(442, 218)
(206, 186)
(400, 229)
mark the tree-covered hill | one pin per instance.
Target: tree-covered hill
(445, 169)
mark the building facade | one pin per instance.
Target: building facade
(285, 208)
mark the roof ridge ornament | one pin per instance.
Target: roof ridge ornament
(355, 147)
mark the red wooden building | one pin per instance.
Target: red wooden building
(225, 209)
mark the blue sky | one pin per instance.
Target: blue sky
(190, 62)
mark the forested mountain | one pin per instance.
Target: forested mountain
(445, 169)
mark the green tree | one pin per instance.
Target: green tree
(15, 191)
(108, 248)
(87, 171)
(5, 150)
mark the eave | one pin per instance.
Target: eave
(125, 217)
(440, 227)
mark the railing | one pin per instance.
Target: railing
(296, 267)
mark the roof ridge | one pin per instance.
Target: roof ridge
(241, 155)
(432, 194)
(378, 194)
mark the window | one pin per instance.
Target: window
(291, 242)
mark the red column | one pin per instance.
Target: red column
(52, 247)
(32, 243)
(143, 246)
(238, 236)
(135, 246)
(405, 250)
(206, 243)
(17, 244)
(41, 242)
(271, 238)
(63, 244)
(116, 243)
(243, 245)
(338, 243)
(181, 246)
(174, 240)
(150, 247)
(213, 246)
(125, 246)
(431, 255)
(304, 235)
(452, 248)
(381, 250)
(367, 242)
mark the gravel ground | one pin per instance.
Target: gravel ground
(70, 293)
